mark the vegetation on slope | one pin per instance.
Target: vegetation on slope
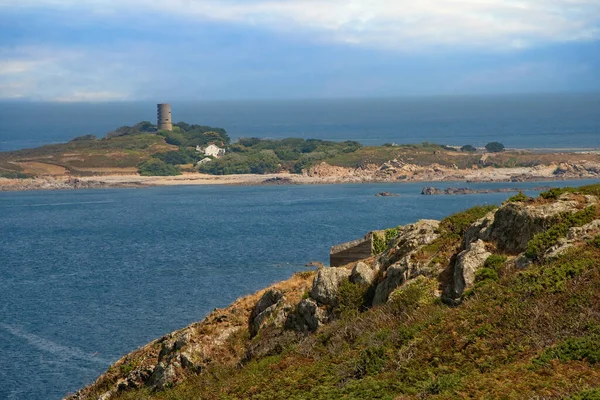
(531, 333)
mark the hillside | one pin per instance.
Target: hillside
(487, 303)
(143, 150)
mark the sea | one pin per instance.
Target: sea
(87, 276)
(548, 121)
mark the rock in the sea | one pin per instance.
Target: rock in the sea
(467, 264)
(362, 274)
(387, 194)
(430, 190)
(326, 284)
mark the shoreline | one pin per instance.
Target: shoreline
(325, 175)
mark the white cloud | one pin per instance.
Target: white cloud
(398, 24)
(50, 73)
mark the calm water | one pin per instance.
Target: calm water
(524, 121)
(87, 276)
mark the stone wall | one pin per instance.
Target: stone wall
(348, 252)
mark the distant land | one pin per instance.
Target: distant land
(141, 155)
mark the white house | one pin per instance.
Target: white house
(212, 150)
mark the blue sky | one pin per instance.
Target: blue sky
(104, 50)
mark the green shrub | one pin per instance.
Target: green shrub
(486, 274)
(468, 148)
(15, 175)
(554, 193)
(353, 297)
(494, 147)
(592, 394)
(370, 361)
(595, 241)
(544, 240)
(494, 262)
(442, 384)
(520, 197)
(155, 167)
(382, 241)
(573, 349)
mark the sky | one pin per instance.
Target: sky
(111, 50)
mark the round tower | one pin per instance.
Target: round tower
(163, 114)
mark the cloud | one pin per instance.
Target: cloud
(51, 73)
(407, 25)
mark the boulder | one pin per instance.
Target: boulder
(398, 263)
(362, 274)
(271, 297)
(467, 264)
(307, 317)
(513, 225)
(327, 283)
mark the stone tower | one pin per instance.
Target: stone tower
(163, 114)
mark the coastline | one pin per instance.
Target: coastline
(320, 174)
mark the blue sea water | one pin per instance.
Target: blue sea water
(518, 121)
(87, 276)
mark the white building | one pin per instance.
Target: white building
(212, 150)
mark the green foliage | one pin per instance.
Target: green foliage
(572, 349)
(555, 279)
(382, 241)
(263, 162)
(370, 361)
(543, 241)
(156, 167)
(178, 157)
(14, 175)
(494, 147)
(554, 193)
(353, 297)
(592, 394)
(520, 197)
(468, 148)
(419, 292)
(447, 383)
(486, 274)
(137, 129)
(595, 241)
(459, 222)
(495, 262)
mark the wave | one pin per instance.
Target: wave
(49, 346)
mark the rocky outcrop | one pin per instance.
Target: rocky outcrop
(513, 225)
(326, 284)
(574, 236)
(398, 264)
(362, 274)
(467, 264)
(307, 317)
(271, 308)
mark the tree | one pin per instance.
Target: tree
(468, 148)
(156, 167)
(494, 147)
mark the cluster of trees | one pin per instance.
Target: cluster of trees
(187, 135)
(492, 147)
(259, 156)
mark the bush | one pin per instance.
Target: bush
(468, 148)
(572, 349)
(494, 147)
(156, 167)
(521, 197)
(554, 193)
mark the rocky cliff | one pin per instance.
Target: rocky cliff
(491, 302)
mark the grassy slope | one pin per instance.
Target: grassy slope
(531, 333)
(77, 156)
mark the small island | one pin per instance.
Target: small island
(168, 153)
